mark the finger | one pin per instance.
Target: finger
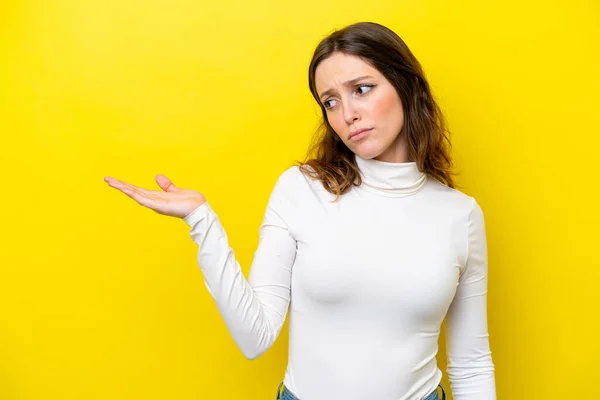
(136, 188)
(166, 184)
(140, 197)
(148, 198)
(117, 184)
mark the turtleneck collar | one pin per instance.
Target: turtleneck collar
(390, 179)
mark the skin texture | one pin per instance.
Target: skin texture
(352, 106)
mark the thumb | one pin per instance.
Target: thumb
(166, 184)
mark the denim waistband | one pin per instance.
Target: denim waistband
(287, 395)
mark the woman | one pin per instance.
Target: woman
(369, 243)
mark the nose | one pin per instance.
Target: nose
(350, 113)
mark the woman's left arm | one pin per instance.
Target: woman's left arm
(470, 368)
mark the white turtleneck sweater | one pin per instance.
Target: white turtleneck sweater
(367, 281)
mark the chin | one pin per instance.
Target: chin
(366, 150)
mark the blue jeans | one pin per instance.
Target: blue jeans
(287, 395)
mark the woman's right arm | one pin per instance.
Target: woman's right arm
(254, 310)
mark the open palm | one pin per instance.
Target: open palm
(172, 201)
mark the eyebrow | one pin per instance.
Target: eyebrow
(347, 83)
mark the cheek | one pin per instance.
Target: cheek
(388, 106)
(337, 123)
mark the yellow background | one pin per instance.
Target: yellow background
(101, 298)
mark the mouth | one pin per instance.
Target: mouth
(359, 134)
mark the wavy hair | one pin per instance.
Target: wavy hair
(329, 160)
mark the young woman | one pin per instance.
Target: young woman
(368, 243)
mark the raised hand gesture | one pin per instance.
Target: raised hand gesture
(172, 201)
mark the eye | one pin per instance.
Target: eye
(365, 86)
(325, 104)
(368, 89)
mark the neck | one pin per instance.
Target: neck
(396, 152)
(393, 179)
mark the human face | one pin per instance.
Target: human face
(357, 96)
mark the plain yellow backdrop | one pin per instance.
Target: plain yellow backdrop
(101, 298)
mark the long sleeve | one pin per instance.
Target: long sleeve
(470, 367)
(253, 309)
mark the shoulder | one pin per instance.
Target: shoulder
(291, 174)
(467, 213)
(293, 178)
(452, 199)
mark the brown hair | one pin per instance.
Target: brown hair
(329, 159)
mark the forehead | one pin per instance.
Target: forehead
(339, 68)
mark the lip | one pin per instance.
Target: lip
(353, 135)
